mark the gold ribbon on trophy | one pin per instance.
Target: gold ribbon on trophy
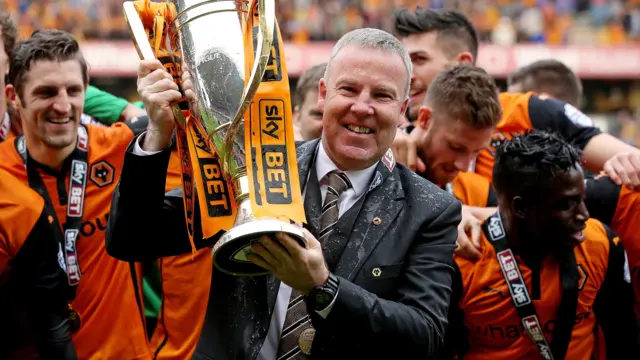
(236, 140)
(274, 177)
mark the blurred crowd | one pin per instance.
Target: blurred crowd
(506, 22)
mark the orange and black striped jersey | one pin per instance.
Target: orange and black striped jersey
(618, 207)
(484, 323)
(33, 290)
(106, 297)
(474, 190)
(521, 112)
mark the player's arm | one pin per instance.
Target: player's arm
(613, 307)
(481, 213)
(577, 128)
(108, 108)
(145, 223)
(601, 148)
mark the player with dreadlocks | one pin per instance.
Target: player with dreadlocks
(565, 273)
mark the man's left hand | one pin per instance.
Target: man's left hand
(302, 269)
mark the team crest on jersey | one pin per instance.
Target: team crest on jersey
(389, 160)
(102, 173)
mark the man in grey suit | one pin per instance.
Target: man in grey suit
(375, 279)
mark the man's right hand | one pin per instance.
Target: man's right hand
(158, 92)
(469, 233)
(405, 151)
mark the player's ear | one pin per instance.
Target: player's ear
(518, 207)
(11, 95)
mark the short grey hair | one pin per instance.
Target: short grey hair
(370, 38)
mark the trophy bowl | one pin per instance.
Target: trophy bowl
(210, 36)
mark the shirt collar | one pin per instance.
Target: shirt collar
(360, 179)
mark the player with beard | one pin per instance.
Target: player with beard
(437, 38)
(100, 107)
(458, 117)
(564, 273)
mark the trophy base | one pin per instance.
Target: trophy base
(230, 252)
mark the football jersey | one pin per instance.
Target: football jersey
(522, 112)
(106, 297)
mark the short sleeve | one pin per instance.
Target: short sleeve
(562, 118)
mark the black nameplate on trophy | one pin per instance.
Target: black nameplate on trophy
(274, 152)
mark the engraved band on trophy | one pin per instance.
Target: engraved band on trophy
(237, 155)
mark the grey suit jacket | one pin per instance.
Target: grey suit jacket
(394, 257)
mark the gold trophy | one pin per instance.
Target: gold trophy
(236, 140)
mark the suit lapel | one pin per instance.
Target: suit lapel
(313, 203)
(380, 208)
(311, 190)
(306, 152)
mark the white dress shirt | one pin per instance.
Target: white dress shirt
(360, 180)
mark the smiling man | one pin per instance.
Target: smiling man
(437, 38)
(74, 168)
(374, 280)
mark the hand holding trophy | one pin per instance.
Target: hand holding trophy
(235, 137)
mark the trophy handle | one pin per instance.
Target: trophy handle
(137, 31)
(266, 22)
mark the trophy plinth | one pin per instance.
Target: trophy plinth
(231, 250)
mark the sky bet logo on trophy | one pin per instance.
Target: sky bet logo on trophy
(236, 140)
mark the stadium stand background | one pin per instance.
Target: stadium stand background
(599, 39)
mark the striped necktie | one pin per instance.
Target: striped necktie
(297, 333)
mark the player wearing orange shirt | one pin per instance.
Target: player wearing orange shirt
(33, 291)
(454, 124)
(619, 207)
(548, 274)
(439, 38)
(75, 168)
(185, 283)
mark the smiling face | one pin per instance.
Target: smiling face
(51, 103)
(448, 146)
(428, 60)
(559, 217)
(362, 99)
